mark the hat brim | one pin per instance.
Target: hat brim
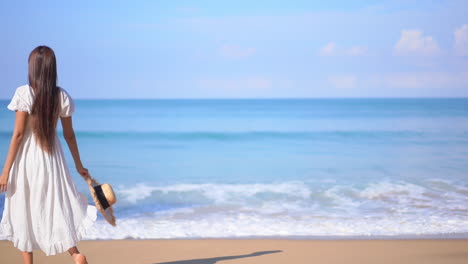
(108, 213)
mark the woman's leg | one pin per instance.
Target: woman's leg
(77, 256)
(27, 257)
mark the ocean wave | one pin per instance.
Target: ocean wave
(218, 193)
(245, 225)
(382, 208)
(383, 198)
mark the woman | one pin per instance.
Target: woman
(43, 209)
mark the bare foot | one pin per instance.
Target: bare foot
(79, 258)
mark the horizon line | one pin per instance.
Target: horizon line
(265, 98)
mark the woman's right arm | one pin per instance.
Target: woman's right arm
(69, 135)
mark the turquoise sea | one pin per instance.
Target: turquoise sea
(194, 168)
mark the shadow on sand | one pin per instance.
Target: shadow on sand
(216, 259)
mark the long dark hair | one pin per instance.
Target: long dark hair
(45, 109)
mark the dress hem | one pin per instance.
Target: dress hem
(56, 247)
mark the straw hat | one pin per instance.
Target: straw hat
(103, 197)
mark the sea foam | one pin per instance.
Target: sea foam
(293, 209)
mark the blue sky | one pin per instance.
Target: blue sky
(241, 49)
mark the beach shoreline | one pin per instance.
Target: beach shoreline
(442, 236)
(210, 251)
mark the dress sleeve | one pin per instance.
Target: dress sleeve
(67, 104)
(18, 102)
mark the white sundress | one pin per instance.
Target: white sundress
(43, 208)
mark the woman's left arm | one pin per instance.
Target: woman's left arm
(18, 132)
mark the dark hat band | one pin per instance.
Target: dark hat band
(101, 197)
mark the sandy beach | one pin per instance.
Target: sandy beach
(271, 251)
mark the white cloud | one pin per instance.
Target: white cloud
(343, 81)
(461, 40)
(422, 80)
(357, 50)
(236, 52)
(413, 42)
(328, 50)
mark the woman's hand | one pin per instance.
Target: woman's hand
(3, 182)
(83, 172)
